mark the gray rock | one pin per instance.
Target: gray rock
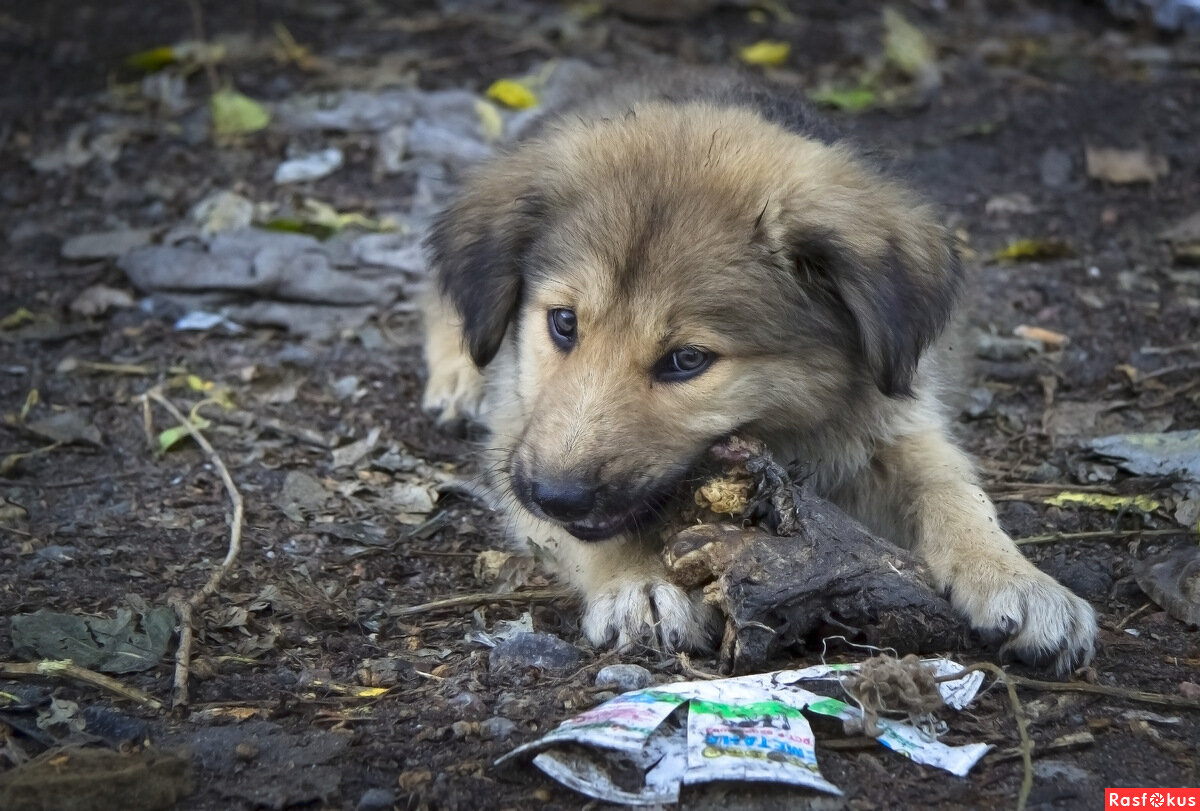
(376, 799)
(106, 244)
(497, 729)
(533, 650)
(623, 677)
(1055, 168)
(979, 402)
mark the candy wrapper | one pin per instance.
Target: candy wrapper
(642, 747)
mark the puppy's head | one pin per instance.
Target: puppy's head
(674, 274)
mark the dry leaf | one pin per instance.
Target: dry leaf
(1125, 165)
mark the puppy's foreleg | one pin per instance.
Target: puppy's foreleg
(953, 526)
(455, 388)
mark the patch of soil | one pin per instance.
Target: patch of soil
(285, 646)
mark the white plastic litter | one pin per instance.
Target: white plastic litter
(309, 167)
(749, 728)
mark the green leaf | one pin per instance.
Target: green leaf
(171, 437)
(852, 100)
(235, 114)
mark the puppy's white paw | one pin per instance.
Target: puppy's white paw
(651, 612)
(454, 394)
(1042, 620)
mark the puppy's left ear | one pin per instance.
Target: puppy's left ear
(477, 245)
(896, 272)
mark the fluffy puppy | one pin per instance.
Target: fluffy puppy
(644, 275)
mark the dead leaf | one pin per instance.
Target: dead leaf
(1101, 501)
(766, 53)
(66, 427)
(119, 644)
(352, 454)
(515, 94)
(301, 494)
(1049, 338)
(11, 512)
(1028, 250)
(1124, 165)
(1184, 239)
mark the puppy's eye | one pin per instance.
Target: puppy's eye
(683, 364)
(562, 327)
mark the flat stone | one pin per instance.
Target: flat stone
(533, 650)
(624, 677)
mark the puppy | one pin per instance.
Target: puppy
(647, 274)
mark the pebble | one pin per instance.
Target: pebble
(623, 677)
(534, 650)
(497, 729)
(376, 799)
(979, 402)
(469, 706)
(1055, 168)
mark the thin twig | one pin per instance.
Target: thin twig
(185, 610)
(1100, 535)
(482, 597)
(214, 83)
(1012, 681)
(1026, 747)
(70, 670)
(685, 664)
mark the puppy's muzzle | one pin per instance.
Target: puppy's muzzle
(563, 500)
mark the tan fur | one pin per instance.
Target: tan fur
(817, 283)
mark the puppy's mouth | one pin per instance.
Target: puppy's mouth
(615, 513)
(645, 512)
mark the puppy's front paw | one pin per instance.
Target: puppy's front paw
(1044, 622)
(454, 394)
(651, 612)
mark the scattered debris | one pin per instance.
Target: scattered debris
(642, 747)
(1173, 581)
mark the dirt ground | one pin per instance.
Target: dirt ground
(278, 717)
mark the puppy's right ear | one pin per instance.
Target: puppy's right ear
(477, 245)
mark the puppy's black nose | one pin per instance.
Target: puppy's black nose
(563, 500)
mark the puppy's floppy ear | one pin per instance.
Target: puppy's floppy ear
(897, 276)
(477, 246)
